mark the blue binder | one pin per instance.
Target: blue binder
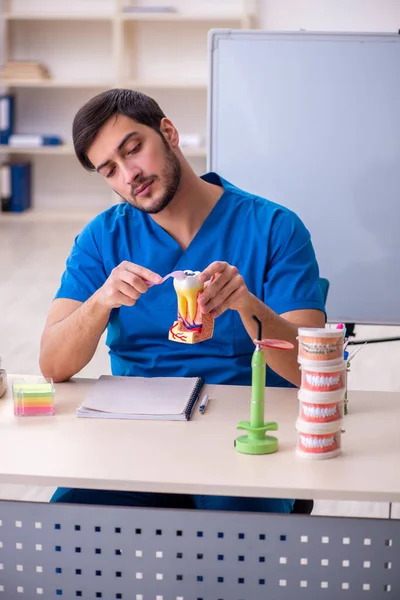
(6, 117)
(33, 140)
(20, 187)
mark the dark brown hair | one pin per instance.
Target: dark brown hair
(91, 117)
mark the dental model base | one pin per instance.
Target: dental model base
(192, 326)
(256, 441)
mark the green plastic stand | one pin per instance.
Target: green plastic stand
(256, 442)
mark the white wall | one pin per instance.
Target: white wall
(330, 15)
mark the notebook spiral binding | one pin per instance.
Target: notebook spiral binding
(194, 396)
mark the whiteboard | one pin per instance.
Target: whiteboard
(312, 121)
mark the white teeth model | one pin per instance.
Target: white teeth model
(315, 348)
(316, 412)
(325, 381)
(314, 442)
(187, 290)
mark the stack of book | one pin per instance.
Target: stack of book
(32, 140)
(20, 140)
(14, 69)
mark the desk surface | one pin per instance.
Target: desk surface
(199, 456)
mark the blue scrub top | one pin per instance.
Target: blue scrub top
(268, 244)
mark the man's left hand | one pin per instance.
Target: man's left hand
(224, 288)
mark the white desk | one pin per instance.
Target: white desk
(198, 457)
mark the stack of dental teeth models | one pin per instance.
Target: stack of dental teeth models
(321, 394)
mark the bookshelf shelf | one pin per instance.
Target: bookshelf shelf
(41, 150)
(159, 84)
(39, 16)
(137, 84)
(68, 149)
(54, 83)
(182, 17)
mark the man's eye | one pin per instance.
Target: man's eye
(110, 173)
(134, 149)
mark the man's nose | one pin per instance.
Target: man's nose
(131, 174)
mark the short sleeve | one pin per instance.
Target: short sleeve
(84, 272)
(292, 277)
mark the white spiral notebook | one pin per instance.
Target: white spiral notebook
(162, 398)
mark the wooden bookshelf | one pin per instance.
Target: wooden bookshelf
(87, 51)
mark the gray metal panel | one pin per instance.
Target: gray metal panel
(311, 121)
(70, 551)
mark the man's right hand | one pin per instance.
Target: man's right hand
(125, 285)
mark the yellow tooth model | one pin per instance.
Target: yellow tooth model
(192, 326)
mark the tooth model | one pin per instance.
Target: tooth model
(192, 326)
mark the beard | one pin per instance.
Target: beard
(171, 178)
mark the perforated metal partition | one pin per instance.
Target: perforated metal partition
(53, 550)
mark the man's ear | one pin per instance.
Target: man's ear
(169, 131)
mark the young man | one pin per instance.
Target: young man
(255, 256)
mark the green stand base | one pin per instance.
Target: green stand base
(248, 446)
(256, 442)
